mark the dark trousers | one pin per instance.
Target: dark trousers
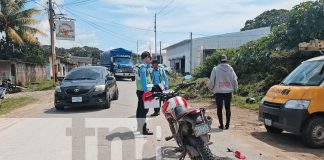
(157, 88)
(141, 112)
(222, 98)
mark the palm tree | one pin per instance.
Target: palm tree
(16, 22)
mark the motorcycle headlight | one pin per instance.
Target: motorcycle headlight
(100, 88)
(297, 104)
(58, 89)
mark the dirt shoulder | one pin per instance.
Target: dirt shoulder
(42, 99)
(246, 126)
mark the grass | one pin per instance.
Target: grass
(239, 101)
(10, 104)
(40, 86)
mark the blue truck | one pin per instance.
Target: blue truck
(119, 61)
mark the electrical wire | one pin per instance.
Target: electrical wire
(166, 6)
(100, 28)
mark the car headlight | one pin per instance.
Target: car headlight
(58, 89)
(297, 104)
(100, 88)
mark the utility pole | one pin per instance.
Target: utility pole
(190, 52)
(160, 53)
(52, 29)
(155, 33)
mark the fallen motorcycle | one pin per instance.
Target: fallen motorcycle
(190, 127)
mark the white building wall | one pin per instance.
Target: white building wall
(178, 52)
(224, 41)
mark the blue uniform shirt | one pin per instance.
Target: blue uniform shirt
(157, 81)
(142, 75)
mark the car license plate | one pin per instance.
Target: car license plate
(268, 122)
(76, 99)
(201, 129)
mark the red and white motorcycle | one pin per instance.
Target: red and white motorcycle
(190, 127)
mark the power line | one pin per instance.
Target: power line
(100, 27)
(166, 6)
(78, 3)
(173, 8)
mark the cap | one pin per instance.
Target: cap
(155, 62)
(223, 58)
(145, 54)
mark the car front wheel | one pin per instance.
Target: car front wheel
(107, 103)
(59, 107)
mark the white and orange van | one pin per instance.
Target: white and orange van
(297, 104)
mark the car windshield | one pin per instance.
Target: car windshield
(122, 59)
(85, 74)
(307, 74)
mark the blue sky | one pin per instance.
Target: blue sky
(108, 24)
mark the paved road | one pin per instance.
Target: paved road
(92, 133)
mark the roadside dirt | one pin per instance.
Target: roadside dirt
(246, 126)
(43, 99)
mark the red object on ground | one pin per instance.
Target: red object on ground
(239, 155)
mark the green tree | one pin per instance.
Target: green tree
(270, 18)
(16, 21)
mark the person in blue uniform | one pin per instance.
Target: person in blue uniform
(159, 79)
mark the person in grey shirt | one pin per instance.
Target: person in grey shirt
(223, 82)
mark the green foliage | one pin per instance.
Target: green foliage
(270, 18)
(34, 54)
(40, 86)
(262, 63)
(84, 51)
(13, 103)
(210, 62)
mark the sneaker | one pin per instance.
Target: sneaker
(147, 132)
(221, 127)
(227, 126)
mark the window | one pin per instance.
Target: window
(307, 74)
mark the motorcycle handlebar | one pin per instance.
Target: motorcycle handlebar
(172, 94)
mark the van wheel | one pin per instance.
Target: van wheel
(313, 133)
(133, 78)
(273, 129)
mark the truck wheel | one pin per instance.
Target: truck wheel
(313, 133)
(273, 130)
(133, 78)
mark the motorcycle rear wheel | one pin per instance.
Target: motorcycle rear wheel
(203, 150)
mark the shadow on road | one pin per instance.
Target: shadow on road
(72, 110)
(122, 135)
(287, 142)
(168, 152)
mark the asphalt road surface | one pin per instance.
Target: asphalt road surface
(39, 132)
